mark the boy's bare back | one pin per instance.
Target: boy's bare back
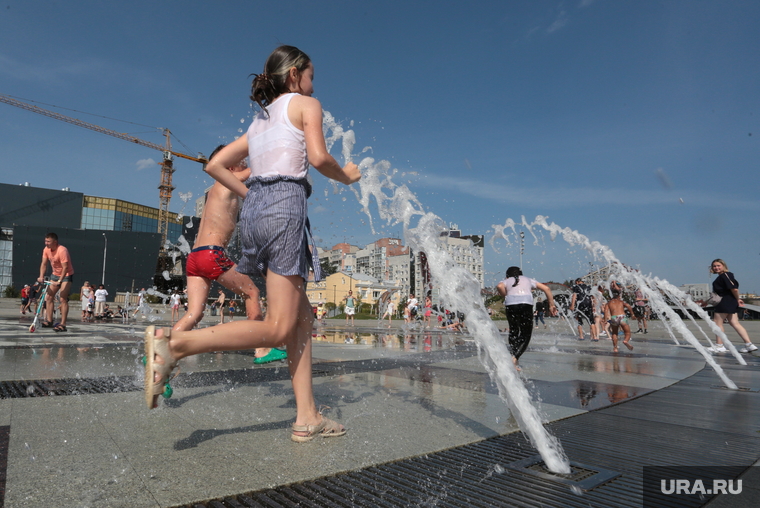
(219, 214)
(616, 307)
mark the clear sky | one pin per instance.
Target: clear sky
(635, 123)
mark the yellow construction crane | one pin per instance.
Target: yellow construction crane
(167, 168)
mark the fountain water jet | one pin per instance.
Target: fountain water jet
(650, 286)
(396, 204)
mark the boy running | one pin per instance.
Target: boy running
(208, 262)
(614, 314)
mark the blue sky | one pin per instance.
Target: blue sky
(635, 123)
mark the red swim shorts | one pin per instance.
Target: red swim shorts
(208, 261)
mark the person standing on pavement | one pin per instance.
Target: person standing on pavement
(140, 302)
(84, 297)
(539, 313)
(174, 301)
(220, 305)
(101, 295)
(640, 311)
(57, 256)
(350, 308)
(24, 298)
(582, 303)
(389, 312)
(411, 308)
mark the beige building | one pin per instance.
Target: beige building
(466, 251)
(368, 290)
(342, 256)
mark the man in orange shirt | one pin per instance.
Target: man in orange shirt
(62, 278)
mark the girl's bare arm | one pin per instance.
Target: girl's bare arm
(229, 156)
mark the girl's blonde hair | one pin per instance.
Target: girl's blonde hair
(725, 266)
(271, 83)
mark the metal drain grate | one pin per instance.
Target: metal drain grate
(463, 477)
(577, 473)
(582, 476)
(738, 388)
(50, 387)
(83, 386)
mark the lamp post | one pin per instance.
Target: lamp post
(105, 249)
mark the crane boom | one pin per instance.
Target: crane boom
(167, 169)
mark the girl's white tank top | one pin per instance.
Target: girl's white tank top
(275, 146)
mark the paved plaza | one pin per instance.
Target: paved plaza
(74, 431)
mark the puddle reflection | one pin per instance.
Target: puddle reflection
(413, 342)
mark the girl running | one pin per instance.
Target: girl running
(283, 140)
(518, 299)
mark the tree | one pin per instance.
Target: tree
(327, 267)
(11, 292)
(493, 299)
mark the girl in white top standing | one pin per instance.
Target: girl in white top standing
(518, 299)
(285, 138)
(174, 301)
(85, 297)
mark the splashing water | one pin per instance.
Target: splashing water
(396, 204)
(652, 287)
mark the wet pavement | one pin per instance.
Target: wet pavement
(401, 393)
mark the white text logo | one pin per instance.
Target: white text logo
(698, 487)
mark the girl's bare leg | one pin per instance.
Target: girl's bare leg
(282, 326)
(718, 320)
(733, 320)
(278, 327)
(299, 364)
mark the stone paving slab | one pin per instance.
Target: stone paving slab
(427, 392)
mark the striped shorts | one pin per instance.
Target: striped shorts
(273, 228)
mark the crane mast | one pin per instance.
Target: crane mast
(167, 165)
(165, 191)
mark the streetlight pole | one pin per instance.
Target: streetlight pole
(105, 249)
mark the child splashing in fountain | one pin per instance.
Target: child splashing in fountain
(518, 300)
(614, 314)
(208, 262)
(283, 140)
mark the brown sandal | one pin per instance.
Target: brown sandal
(325, 428)
(157, 346)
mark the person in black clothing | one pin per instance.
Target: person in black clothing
(726, 286)
(539, 313)
(517, 291)
(34, 292)
(583, 305)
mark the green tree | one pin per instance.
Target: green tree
(327, 267)
(12, 292)
(493, 299)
